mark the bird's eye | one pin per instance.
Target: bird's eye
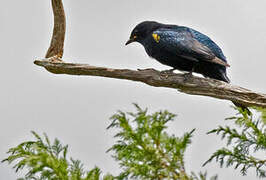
(135, 32)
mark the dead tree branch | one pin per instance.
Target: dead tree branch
(152, 77)
(193, 85)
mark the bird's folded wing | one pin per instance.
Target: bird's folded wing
(184, 45)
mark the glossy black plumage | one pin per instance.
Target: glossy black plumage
(182, 48)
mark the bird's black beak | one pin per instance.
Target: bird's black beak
(130, 41)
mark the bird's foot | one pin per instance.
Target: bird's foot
(187, 76)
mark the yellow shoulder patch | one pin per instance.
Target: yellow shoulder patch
(156, 37)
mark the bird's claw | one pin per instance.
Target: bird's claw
(187, 76)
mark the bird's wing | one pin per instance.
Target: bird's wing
(183, 44)
(202, 38)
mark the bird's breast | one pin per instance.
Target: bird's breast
(152, 48)
(165, 56)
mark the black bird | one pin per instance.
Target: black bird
(182, 48)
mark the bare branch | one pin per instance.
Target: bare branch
(152, 77)
(57, 43)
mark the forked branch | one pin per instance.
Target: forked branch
(193, 85)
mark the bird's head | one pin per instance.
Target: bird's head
(142, 30)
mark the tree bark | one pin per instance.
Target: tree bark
(57, 43)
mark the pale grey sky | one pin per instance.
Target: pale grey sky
(76, 109)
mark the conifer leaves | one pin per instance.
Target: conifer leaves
(46, 161)
(145, 150)
(243, 143)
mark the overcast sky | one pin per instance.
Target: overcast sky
(77, 109)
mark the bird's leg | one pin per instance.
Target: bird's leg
(188, 75)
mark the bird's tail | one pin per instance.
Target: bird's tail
(225, 78)
(218, 74)
(221, 75)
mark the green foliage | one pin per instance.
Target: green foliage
(143, 149)
(202, 176)
(244, 142)
(262, 112)
(46, 161)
